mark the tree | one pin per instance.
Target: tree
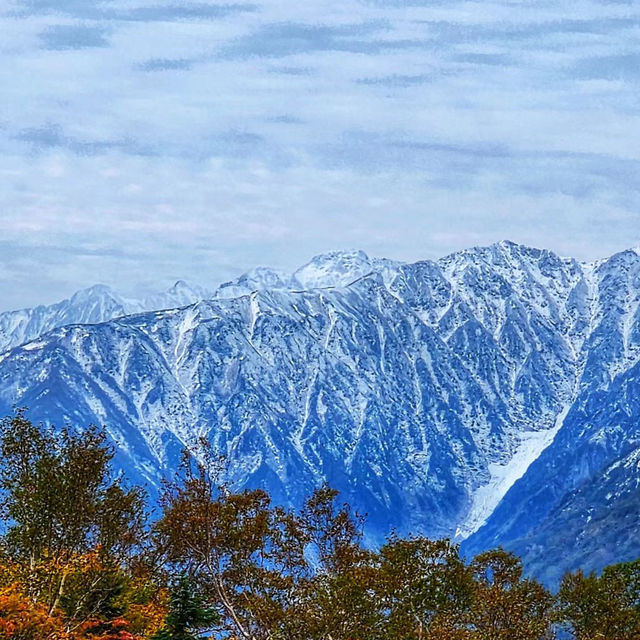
(76, 564)
(607, 606)
(188, 615)
(506, 605)
(21, 619)
(339, 597)
(242, 554)
(70, 528)
(426, 588)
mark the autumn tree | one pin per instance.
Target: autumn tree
(70, 528)
(426, 589)
(77, 563)
(22, 619)
(241, 553)
(339, 598)
(602, 607)
(508, 606)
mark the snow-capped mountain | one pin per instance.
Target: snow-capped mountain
(100, 303)
(88, 306)
(257, 279)
(481, 389)
(339, 269)
(324, 271)
(181, 294)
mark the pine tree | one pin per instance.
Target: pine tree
(187, 615)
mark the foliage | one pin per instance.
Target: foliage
(239, 552)
(426, 588)
(72, 533)
(79, 561)
(22, 619)
(306, 575)
(188, 613)
(606, 606)
(508, 606)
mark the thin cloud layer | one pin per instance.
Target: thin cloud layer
(141, 142)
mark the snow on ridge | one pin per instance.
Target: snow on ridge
(332, 269)
(32, 346)
(93, 305)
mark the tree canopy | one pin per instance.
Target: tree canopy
(81, 560)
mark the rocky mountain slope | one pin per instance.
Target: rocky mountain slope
(602, 421)
(485, 388)
(591, 527)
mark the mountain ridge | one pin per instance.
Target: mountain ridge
(91, 305)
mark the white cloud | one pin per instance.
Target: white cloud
(145, 142)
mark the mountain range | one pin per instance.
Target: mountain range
(490, 396)
(89, 306)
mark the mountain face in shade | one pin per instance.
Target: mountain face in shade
(481, 396)
(595, 525)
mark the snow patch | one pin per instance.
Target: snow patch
(32, 346)
(504, 476)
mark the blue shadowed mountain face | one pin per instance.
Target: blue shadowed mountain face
(478, 396)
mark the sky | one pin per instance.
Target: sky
(142, 142)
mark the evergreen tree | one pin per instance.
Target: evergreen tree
(187, 615)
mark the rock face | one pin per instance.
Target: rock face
(488, 394)
(595, 525)
(602, 424)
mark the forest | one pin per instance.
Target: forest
(84, 555)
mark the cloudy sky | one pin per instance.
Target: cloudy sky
(142, 142)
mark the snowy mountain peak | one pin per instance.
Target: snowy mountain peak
(334, 269)
(265, 278)
(92, 305)
(95, 291)
(256, 279)
(326, 270)
(180, 294)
